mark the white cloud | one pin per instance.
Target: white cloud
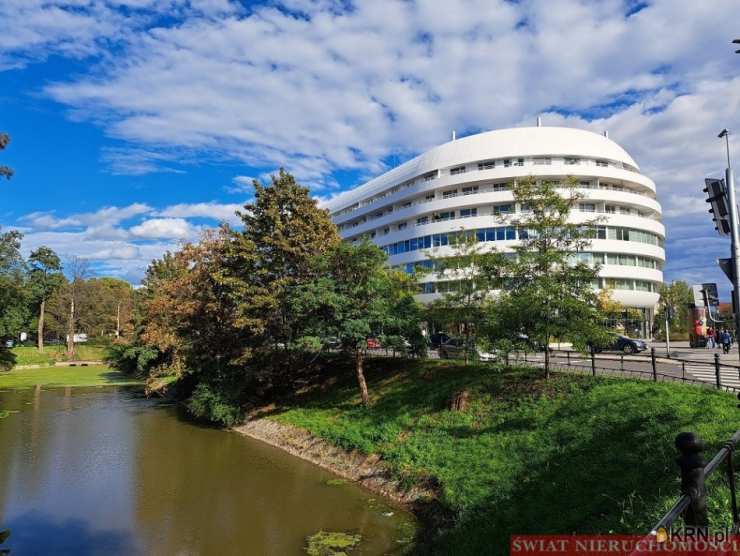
(357, 88)
(164, 228)
(213, 210)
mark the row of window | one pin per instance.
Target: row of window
(602, 283)
(485, 165)
(508, 233)
(506, 186)
(618, 259)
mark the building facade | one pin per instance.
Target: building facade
(465, 184)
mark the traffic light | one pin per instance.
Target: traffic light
(717, 198)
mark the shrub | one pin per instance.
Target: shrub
(131, 359)
(207, 402)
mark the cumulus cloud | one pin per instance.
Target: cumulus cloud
(216, 211)
(167, 228)
(327, 88)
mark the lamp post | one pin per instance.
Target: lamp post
(735, 237)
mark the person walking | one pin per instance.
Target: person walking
(726, 340)
(710, 338)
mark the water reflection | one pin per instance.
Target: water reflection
(126, 474)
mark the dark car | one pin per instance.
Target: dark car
(437, 339)
(628, 345)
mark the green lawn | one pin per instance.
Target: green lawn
(573, 454)
(29, 355)
(64, 376)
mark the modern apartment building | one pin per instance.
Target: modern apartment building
(465, 184)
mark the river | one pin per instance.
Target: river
(89, 471)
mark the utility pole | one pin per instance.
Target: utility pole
(735, 237)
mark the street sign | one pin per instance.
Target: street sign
(698, 293)
(727, 268)
(717, 198)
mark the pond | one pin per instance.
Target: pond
(106, 471)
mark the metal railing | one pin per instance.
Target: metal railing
(692, 504)
(715, 373)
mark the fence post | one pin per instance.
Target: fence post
(525, 355)
(652, 361)
(683, 370)
(507, 358)
(567, 353)
(593, 361)
(691, 462)
(716, 371)
(621, 362)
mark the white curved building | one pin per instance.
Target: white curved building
(465, 184)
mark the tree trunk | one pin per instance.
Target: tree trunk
(40, 330)
(118, 320)
(71, 329)
(361, 379)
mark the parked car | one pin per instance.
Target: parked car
(373, 343)
(437, 339)
(454, 348)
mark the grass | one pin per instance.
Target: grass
(30, 355)
(572, 454)
(64, 376)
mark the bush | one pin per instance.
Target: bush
(133, 360)
(211, 404)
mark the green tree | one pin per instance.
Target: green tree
(467, 276)
(354, 297)
(5, 171)
(283, 231)
(546, 291)
(45, 277)
(13, 294)
(674, 298)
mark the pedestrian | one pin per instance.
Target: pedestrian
(710, 338)
(726, 340)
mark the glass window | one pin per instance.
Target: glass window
(402, 226)
(467, 213)
(490, 234)
(429, 197)
(542, 161)
(427, 242)
(602, 163)
(458, 170)
(510, 232)
(572, 161)
(470, 190)
(486, 165)
(480, 235)
(449, 194)
(587, 207)
(422, 220)
(430, 176)
(500, 234)
(501, 186)
(507, 208)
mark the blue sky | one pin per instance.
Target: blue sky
(137, 123)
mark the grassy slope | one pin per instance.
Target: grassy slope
(29, 355)
(64, 376)
(573, 454)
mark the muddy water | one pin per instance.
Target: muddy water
(104, 471)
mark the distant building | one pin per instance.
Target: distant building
(466, 184)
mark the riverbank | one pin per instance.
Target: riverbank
(569, 454)
(51, 377)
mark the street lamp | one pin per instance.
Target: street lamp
(735, 237)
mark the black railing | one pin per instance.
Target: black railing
(713, 373)
(692, 503)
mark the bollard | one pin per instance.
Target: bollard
(691, 462)
(716, 371)
(652, 361)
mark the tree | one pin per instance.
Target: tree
(675, 298)
(5, 171)
(107, 307)
(13, 295)
(466, 275)
(283, 231)
(546, 292)
(78, 270)
(45, 277)
(355, 297)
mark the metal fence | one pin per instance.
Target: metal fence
(716, 373)
(692, 503)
